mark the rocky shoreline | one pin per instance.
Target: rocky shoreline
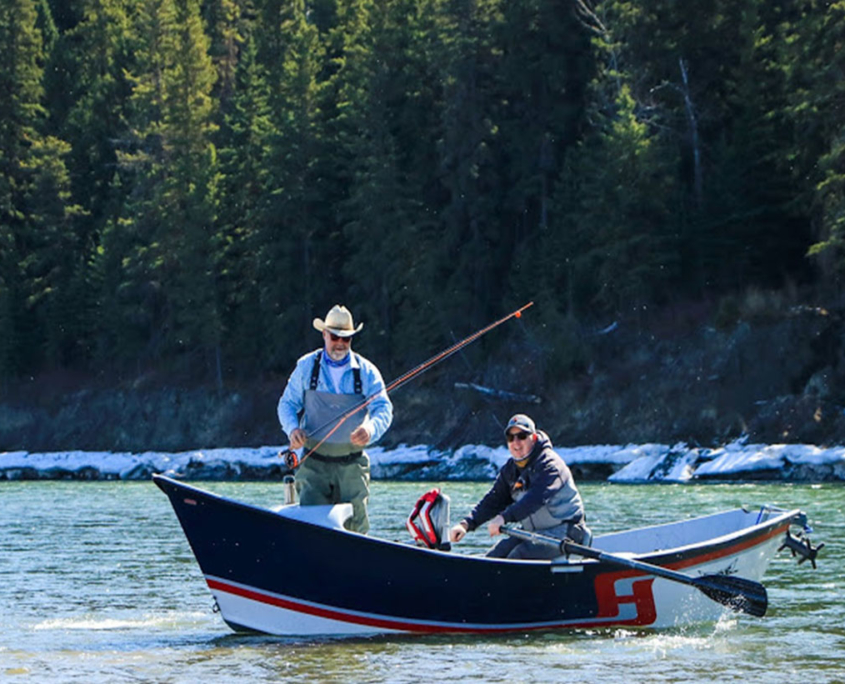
(765, 379)
(632, 464)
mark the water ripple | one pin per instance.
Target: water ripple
(98, 585)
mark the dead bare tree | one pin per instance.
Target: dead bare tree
(588, 17)
(683, 89)
(692, 119)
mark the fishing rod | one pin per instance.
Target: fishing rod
(290, 457)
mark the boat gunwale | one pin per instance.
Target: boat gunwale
(674, 557)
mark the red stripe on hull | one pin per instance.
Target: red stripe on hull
(423, 628)
(609, 602)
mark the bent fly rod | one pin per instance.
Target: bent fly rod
(290, 458)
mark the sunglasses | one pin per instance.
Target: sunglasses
(521, 436)
(338, 338)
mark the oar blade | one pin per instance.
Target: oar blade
(737, 593)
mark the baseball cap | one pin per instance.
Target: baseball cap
(523, 422)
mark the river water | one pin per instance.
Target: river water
(97, 584)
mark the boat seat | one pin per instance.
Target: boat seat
(326, 516)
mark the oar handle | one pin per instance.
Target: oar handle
(570, 547)
(533, 537)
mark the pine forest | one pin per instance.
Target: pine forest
(186, 184)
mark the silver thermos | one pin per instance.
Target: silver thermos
(289, 483)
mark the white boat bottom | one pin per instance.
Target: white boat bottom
(262, 616)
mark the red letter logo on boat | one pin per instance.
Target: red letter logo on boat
(641, 596)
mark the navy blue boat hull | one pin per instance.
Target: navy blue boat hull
(280, 575)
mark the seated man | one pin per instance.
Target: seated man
(534, 488)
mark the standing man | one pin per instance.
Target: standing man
(535, 488)
(324, 385)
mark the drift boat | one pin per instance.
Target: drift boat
(295, 570)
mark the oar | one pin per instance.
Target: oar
(737, 593)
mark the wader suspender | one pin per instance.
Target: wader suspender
(315, 375)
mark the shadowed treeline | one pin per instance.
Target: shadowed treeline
(184, 185)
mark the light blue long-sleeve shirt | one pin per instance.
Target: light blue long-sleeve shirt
(292, 401)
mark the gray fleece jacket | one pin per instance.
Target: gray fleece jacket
(540, 495)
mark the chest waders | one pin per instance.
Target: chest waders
(323, 409)
(339, 472)
(543, 519)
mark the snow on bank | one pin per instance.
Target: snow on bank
(628, 464)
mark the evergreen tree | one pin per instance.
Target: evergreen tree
(190, 197)
(294, 260)
(426, 161)
(227, 31)
(20, 112)
(547, 65)
(97, 51)
(36, 228)
(383, 211)
(164, 238)
(609, 247)
(53, 260)
(707, 74)
(270, 42)
(814, 63)
(750, 233)
(470, 164)
(127, 262)
(243, 139)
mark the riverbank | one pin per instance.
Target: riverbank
(697, 377)
(631, 464)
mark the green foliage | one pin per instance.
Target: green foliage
(37, 228)
(51, 254)
(227, 29)
(242, 141)
(164, 236)
(293, 246)
(185, 184)
(617, 209)
(816, 43)
(469, 158)
(96, 56)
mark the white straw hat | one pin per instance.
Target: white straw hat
(339, 322)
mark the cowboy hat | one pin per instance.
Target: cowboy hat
(339, 322)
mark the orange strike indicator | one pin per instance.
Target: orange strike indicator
(518, 314)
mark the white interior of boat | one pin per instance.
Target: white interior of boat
(325, 516)
(642, 540)
(683, 533)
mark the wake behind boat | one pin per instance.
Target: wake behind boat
(296, 571)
